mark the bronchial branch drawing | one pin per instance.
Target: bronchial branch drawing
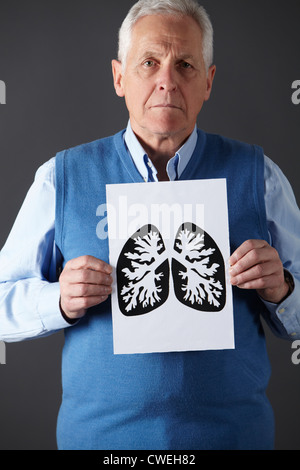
(196, 264)
(144, 277)
(143, 285)
(199, 274)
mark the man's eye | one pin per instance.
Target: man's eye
(148, 63)
(185, 65)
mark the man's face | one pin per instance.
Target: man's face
(165, 82)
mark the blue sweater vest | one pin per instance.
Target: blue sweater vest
(191, 400)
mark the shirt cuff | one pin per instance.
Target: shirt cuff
(288, 312)
(48, 308)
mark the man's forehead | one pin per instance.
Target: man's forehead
(168, 25)
(158, 34)
(164, 48)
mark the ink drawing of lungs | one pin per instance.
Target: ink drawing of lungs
(143, 273)
(198, 270)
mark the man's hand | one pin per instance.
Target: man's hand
(256, 265)
(84, 283)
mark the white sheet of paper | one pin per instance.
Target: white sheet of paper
(171, 289)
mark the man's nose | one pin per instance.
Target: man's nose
(167, 79)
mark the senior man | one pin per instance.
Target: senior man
(186, 400)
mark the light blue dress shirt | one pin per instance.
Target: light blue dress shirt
(29, 287)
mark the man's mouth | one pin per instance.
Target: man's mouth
(170, 106)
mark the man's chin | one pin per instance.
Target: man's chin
(162, 129)
(166, 128)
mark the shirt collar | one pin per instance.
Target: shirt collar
(138, 154)
(178, 163)
(175, 166)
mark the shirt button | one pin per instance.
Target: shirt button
(281, 311)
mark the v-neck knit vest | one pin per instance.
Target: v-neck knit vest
(164, 401)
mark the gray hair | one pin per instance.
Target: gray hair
(167, 7)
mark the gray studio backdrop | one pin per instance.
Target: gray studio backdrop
(55, 62)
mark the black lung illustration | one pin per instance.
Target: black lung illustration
(198, 270)
(143, 273)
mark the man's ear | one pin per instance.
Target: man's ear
(209, 81)
(118, 77)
